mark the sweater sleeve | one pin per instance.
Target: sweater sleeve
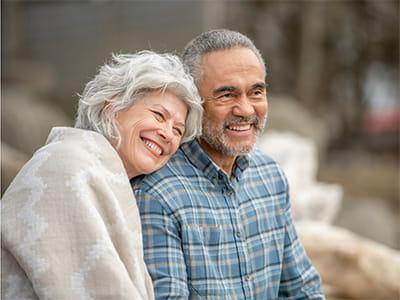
(71, 230)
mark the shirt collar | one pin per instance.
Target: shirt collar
(202, 161)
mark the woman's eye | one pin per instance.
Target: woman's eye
(178, 131)
(159, 116)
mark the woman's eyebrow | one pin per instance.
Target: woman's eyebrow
(168, 114)
(164, 110)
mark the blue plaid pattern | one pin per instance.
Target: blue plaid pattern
(207, 236)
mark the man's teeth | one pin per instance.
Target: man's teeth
(153, 146)
(240, 127)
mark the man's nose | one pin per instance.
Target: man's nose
(243, 107)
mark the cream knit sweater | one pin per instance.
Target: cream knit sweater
(70, 225)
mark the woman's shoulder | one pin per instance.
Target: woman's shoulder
(75, 141)
(67, 151)
(73, 147)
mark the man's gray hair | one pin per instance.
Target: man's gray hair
(129, 77)
(215, 40)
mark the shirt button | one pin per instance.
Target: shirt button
(238, 234)
(247, 277)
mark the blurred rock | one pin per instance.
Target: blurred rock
(287, 114)
(311, 200)
(351, 267)
(26, 123)
(27, 120)
(34, 76)
(372, 218)
(363, 173)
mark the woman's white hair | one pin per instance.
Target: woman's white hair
(126, 79)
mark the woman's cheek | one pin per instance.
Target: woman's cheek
(176, 145)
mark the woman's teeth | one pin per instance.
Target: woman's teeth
(153, 146)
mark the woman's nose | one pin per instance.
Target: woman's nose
(166, 132)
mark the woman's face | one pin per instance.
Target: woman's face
(151, 131)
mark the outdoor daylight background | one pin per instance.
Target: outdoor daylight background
(333, 74)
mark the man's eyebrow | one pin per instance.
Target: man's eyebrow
(168, 114)
(259, 85)
(224, 88)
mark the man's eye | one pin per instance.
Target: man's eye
(257, 94)
(226, 97)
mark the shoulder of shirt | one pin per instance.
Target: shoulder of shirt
(259, 158)
(261, 161)
(177, 168)
(180, 167)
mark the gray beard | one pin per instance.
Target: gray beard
(216, 139)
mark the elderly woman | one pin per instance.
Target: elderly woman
(70, 225)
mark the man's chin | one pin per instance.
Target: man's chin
(241, 146)
(238, 149)
(228, 147)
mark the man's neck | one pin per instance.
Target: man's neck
(223, 161)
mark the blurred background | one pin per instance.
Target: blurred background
(333, 70)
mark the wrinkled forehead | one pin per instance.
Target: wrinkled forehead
(233, 55)
(236, 66)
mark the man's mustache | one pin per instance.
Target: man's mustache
(252, 120)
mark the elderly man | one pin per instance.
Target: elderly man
(216, 219)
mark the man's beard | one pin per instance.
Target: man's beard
(216, 138)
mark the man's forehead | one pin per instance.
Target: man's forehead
(223, 64)
(238, 68)
(236, 55)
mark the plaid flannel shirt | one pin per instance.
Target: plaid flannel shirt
(207, 236)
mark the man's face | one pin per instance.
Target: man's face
(232, 85)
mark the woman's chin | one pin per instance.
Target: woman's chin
(147, 169)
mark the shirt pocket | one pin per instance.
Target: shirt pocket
(202, 250)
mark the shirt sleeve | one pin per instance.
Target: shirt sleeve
(299, 278)
(163, 251)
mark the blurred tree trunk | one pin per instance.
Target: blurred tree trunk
(12, 23)
(213, 15)
(312, 54)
